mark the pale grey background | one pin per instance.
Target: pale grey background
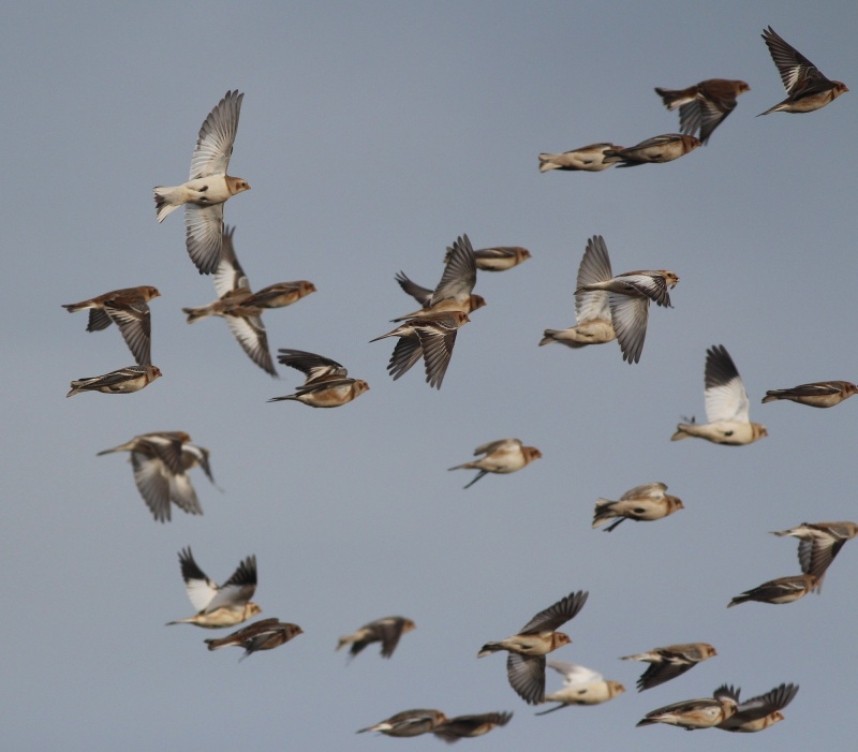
(373, 134)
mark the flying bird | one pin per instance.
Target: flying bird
(778, 591)
(807, 88)
(642, 503)
(218, 605)
(817, 394)
(121, 381)
(658, 149)
(209, 187)
(327, 383)
(819, 543)
(497, 259)
(581, 686)
(469, 726)
(409, 723)
(759, 712)
(668, 662)
(704, 106)
(726, 405)
(629, 296)
(387, 631)
(592, 310)
(589, 158)
(128, 308)
(265, 634)
(695, 714)
(502, 456)
(431, 337)
(527, 650)
(160, 461)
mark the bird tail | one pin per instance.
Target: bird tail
(195, 314)
(488, 648)
(546, 163)
(681, 432)
(213, 642)
(165, 201)
(603, 512)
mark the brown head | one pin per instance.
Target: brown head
(559, 639)
(758, 431)
(148, 292)
(531, 453)
(408, 625)
(475, 302)
(236, 185)
(359, 387)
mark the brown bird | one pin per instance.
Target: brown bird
(387, 631)
(128, 308)
(265, 634)
(121, 381)
(658, 149)
(704, 106)
(807, 88)
(695, 714)
(327, 383)
(468, 726)
(409, 723)
(642, 503)
(759, 712)
(502, 456)
(817, 394)
(527, 650)
(670, 661)
(778, 591)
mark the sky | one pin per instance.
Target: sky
(373, 135)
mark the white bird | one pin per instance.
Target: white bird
(581, 686)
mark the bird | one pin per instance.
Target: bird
(819, 543)
(454, 291)
(759, 712)
(496, 259)
(431, 337)
(469, 726)
(265, 634)
(128, 308)
(121, 381)
(658, 149)
(778, 591)
(704, 106)
(218, 605)
(817, 394)
(695, 714)
(209, 187)
(807, 88)
(327, 383)
(408, 723)
(726, 405)
(161, 460)
(593, 313)
(527, 649)
(629, 296)
(501, 456)
(387, 631)
(590, 158)
(668, 662)
(646, 502)
(581, 686)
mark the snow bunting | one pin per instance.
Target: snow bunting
(265, 634)
(160, 461)
(218, 605)
(431, 337)
(592, 311)
(642, 503)
(807, 89)
(704, 106)
(581, 686)
(670, 661)
(817, 394)
(128, 308)
(387, 631)
(695, 714)
(629, 296)
(778, 591)
(589, 158)
(408, 723)
(469, 726)
(527, 650)
(502, 456)
(759, 712)
(327, 383)
(819, 543)
(209, 186)
(658, 149)
(726, 405)
(121, 381)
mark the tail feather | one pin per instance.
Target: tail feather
(163, 204)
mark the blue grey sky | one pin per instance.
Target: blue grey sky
(373, 135)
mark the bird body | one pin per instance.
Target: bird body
(121, 381)
(502, 456)
(646, 503)
(590, 158)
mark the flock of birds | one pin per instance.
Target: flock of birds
(608, 307)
